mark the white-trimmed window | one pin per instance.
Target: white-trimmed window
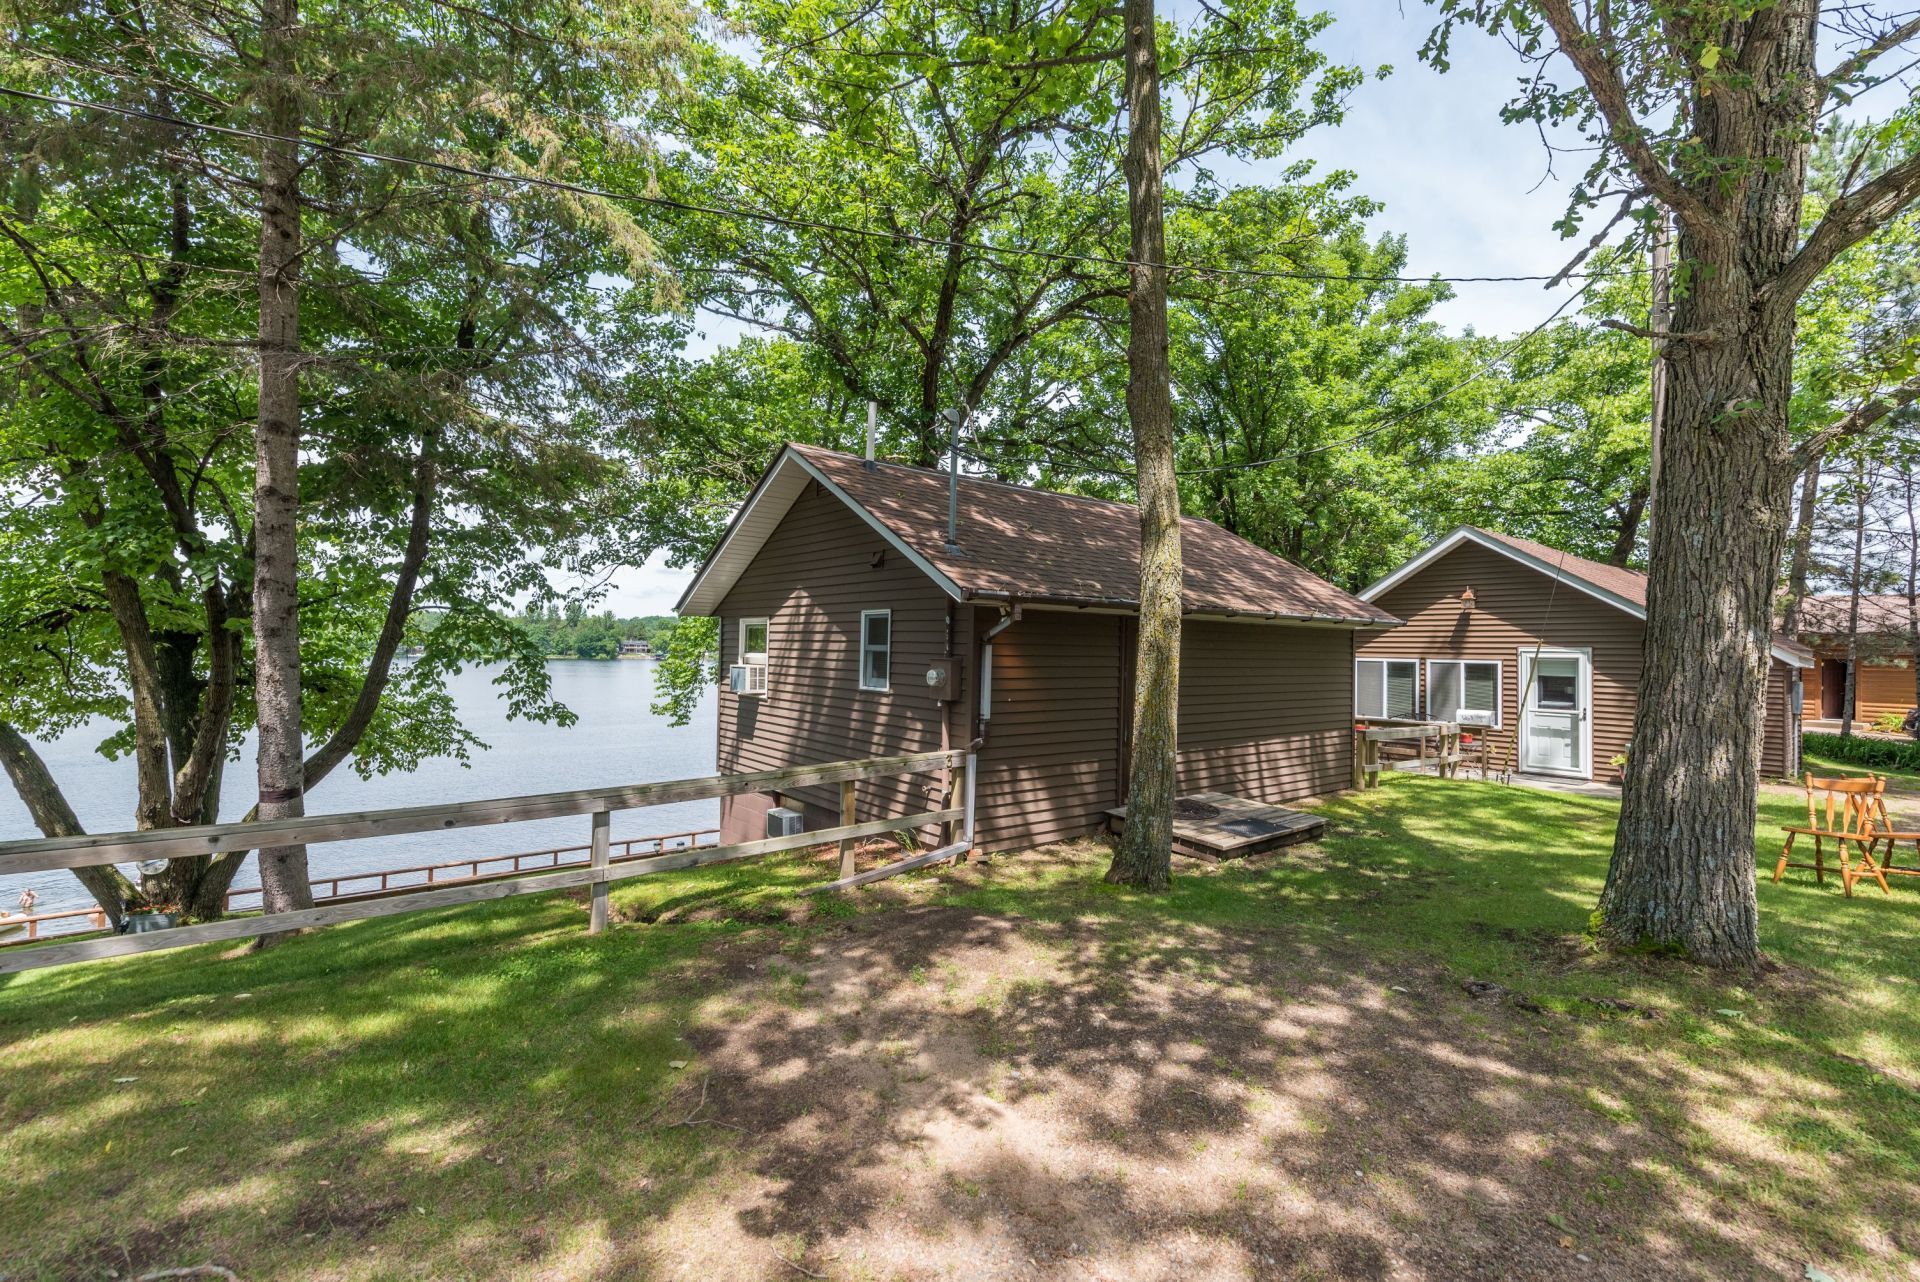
(876, 649)
(1457, 685)
(1386, 687)
(753, 656)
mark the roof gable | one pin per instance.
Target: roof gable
(1024, 544)
(1624, 589)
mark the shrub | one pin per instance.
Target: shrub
(1889, 722)
(1888, 754)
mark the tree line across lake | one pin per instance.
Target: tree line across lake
(569, 632)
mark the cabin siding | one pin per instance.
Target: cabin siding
(1516, 606)
(1050, 766)
(1884, 685)
(1266, 712)
(1778, 755)
(811, 582)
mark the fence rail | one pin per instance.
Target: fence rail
(245, 898)
(24, 928)
(599, 872)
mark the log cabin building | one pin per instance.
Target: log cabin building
(1884, 681)
(1541, 649)
(843, 585)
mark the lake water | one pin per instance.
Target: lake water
(616, 741)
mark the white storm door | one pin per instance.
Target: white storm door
(1556, 722)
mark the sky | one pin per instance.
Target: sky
(1473, 196)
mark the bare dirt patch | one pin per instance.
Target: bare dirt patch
(946, 1093)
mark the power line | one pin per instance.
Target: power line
(762, 216)
(1373, 429)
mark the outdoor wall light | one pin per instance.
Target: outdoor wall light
(1466, 601)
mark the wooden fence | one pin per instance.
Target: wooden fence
(394, 881)
(600, 872)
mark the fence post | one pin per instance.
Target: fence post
(973, 777)
(602, 847)
(955, 791)
(847, 808)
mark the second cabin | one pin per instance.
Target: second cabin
(868, 610)
(1536, 650)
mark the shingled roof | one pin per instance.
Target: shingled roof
(1828, 614)
(1023, 544)
(1616, 585)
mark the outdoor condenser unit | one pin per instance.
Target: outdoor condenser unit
(784, 821)
(749, 678)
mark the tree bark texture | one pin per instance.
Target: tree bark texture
(1800, 560)
(1144, 854)
(276, 491)
(1682, 874)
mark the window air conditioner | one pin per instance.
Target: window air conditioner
(784, 821)
(1474, 717)
(749, 678)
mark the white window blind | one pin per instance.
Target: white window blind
(1386, 688)
(1453, 684)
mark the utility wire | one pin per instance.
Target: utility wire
(772, 219)
(1373, 429)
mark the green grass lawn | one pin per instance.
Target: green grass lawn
(467, 1092)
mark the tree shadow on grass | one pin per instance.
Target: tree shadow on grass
(1006, 1071)
(1233, 1102)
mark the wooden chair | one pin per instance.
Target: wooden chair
(1846, 811)
(1884, 830)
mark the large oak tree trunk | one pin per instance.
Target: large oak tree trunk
(1682, 874)
(1145, 851)
(276, 608)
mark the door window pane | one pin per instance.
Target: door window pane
(1556, 684)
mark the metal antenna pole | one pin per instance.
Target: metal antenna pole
(953, 479)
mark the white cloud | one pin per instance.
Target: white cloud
(650, 588)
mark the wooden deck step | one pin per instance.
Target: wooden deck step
(1237, 828)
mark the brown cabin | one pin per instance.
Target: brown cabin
(1884, 683)
(838, 582)
(1538, 648)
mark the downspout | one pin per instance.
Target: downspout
(1009, 615)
